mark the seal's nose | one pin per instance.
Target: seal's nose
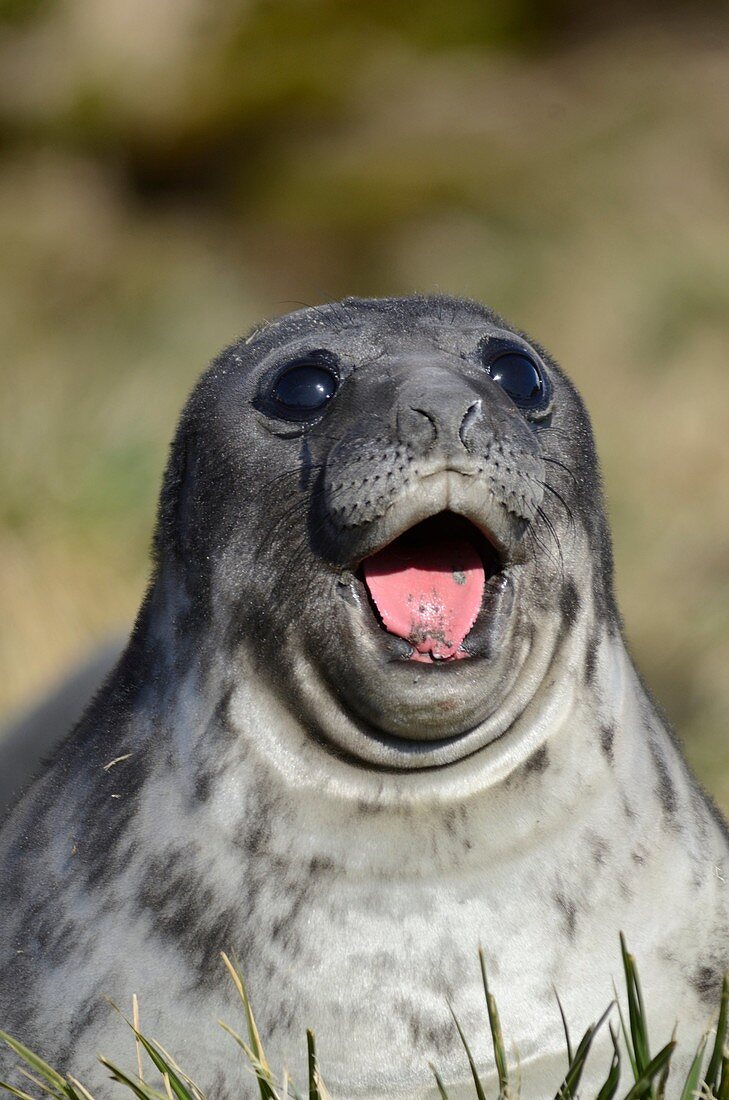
(434, 408)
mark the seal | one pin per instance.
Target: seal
(376, 710)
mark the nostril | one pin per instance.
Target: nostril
(417, 425)
(429, 416)
(473, 413)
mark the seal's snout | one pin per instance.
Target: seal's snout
(435, 424)
(435, 410)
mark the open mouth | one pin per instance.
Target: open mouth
(428, 585)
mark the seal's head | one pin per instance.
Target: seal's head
(389, 506)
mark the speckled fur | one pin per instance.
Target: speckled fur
(237, 816)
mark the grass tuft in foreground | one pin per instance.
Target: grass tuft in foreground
(649, 1073)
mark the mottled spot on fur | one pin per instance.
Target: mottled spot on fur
(569, 603)
(591, 658)
(368, 808)
(599, 849)
(202, 786)
(607, 741)
(218, 1087)
(254, 836)
(320, 865)
(568, 910)
(183, 909)
(103, 844)
(83, 1021)
(537, 762)
(415, 1027)
(438, 1039)
(665, 789)
(706, 980)
(221, 723)
(58, 940)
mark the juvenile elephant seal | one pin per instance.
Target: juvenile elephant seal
(376, 710)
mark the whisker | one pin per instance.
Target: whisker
(563, 502)
(562, 466)
(555, 537)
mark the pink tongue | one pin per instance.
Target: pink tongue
(429, 594)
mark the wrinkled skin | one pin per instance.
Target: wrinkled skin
(352, 823)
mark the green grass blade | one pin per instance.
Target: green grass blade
(263, 1073)
(317, 1088)
(171, 1063)
(289, 1088)
(643, 1085)
(474, 1072)
(47, 1090)
(723, 1093)
(568, 1089)
(691, 1084)
(86, 1095)
(711, 1079)
(311, 1059)
(176, 1081)
(439, 1082)
(626, 1038)
(610, 1087)
(636, 1010)
(15, 1092)
(496, 1034)
(660, 1091)
(58, 1085)
(239, 1040)
(265, 1088)
(179, 1088)
(140, 1089)
(565, 1028)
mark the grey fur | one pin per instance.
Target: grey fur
(352, 824)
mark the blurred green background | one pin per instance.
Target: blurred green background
(173, 170)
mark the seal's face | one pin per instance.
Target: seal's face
(410, 465)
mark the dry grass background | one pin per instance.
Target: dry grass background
(173, 171)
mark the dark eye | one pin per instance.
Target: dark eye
(305, 387)
(521, 378)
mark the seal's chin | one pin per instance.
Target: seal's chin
(429, 586)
